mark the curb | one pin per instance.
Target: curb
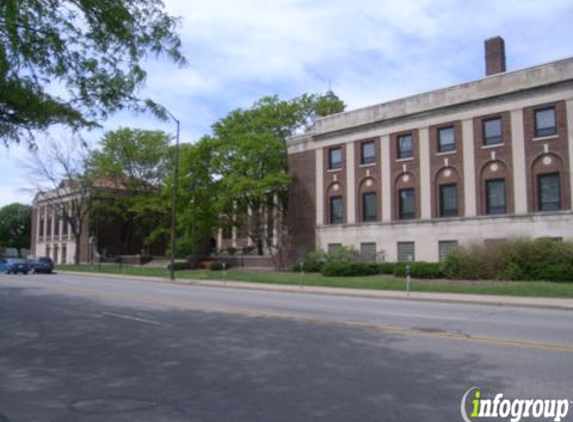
(455, 298)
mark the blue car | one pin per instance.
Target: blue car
(15, 266)
(3, 265)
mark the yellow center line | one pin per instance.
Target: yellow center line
(386, 329)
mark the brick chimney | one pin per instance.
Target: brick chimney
(494, 56)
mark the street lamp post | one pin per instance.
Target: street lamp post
(192, 185)
(174, 199)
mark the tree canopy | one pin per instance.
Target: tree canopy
(136, 163)
(249, 156)
(15, 226)
(72, 62)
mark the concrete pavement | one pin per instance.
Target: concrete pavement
(87, 349)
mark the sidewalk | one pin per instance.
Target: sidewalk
(512, 301)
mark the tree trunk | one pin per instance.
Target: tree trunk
(77, 252)
(19, 252)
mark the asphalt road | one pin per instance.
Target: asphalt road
(89, 349)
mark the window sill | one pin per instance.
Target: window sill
(367, 165)
(402, 160)
(545, 138)
(439, 154)
(334, 170)
(493, 146)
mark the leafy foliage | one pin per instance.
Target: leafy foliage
(520, 259)
(133, 164)
(15, 226)
(90, 52)
(250, 159)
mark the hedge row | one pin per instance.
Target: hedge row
(535, 260)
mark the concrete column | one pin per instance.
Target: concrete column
(425, 176)
(38, 219)
(219, 238)
(570, 137)
(319, 187)
(385, 161)
(469, 168)
(518, 158)
(350, 184)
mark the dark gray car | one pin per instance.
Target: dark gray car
(41, 264)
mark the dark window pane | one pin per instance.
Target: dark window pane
(369, 207)
(448, 200)
(335, 158)
(446, 139)
(549, 192)
(545, 122)
(492, 131)
(336, 210)
(495, 196)
(405, 146)
(368, 152)
(407, 204)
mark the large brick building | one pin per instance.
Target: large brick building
(414, 178)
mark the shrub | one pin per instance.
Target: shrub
(179, 266)
(387, 267)
(349, 269)
(519, 259)
(428, 270)
(231, 250)
(313, 264)
(216, 266)
(343, 254)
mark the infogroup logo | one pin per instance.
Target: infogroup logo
(512, 409)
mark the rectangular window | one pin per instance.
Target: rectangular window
(368, 252)
(227, 232)
(405, 146)
(407, 206)
(56, 254)
(49, 223)
(48, 251)
(368, 152)
(492, 131)
(369, 207)
(446, 139)
(545, 122)
(334, 158)
(406, 251)
(336, 210)
(446, 247)
(333, 248)
(495, 196)
(549, 192)
(58, 218)
(449, 200)
(64, 253)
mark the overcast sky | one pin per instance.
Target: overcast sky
(371, 51)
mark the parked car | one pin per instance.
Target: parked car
(15, 266)
(41, 264)
(3, 265)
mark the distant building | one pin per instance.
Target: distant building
(104, 234)
(414, 178)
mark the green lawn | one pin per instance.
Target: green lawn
(524, 288)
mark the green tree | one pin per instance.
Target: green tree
(250, 158)
(72, 62)
(135, 163)
(197, 213)
(15, 226)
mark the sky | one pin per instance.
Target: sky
(367, 51)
